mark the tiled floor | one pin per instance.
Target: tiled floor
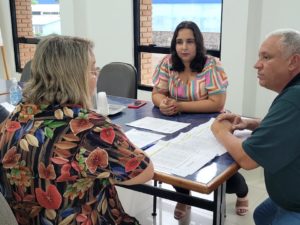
(140, 205)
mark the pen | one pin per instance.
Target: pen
(148, 146)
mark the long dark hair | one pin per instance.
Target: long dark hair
(198, 62)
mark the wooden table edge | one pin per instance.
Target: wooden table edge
(197, 186)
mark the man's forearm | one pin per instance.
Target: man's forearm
(234, 147)
(252, 124)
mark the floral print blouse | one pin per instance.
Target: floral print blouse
(59, 165)
(210, 81)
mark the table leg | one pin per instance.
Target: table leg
(223, 205)
(219, 211)
(154, 200)
(217, 206)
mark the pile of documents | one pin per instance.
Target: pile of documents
(183, 155)
(186, 153)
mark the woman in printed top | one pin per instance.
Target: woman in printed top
(60, 160)
(189, 80)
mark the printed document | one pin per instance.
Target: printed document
(159, 125)
(143, 139)
(188, 152)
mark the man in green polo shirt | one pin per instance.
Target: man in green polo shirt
(275, 141)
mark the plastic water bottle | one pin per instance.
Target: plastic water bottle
(15, 92)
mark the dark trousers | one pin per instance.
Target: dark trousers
(235, 185)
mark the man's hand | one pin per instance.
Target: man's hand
(237, 122)
(221, 125)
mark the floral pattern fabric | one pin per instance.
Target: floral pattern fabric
(210, 81)
(59, 165)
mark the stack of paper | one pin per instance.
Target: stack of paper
(159, 125)
(186, 153)
(143, 139)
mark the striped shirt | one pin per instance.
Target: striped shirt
(210, 81)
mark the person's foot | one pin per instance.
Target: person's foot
(241, 206)
(181, 211)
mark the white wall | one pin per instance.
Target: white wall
(234, 40)
(240, 42)
(245, 24)
(110, 25)
(5, 26)
(285, 14)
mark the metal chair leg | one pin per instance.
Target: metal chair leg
(154, 201)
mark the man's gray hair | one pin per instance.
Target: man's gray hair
(290, 40)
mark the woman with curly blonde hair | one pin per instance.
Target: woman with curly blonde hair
(59, 159)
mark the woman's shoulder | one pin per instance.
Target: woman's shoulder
(212, 59)
(212, 62)
(167, 59)
(164, 65)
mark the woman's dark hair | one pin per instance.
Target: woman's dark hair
(198, 62)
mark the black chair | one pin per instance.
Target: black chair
(26, 72)
(118, 79)
(214, 53)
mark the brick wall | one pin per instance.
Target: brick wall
(24, 25)
(146, 38)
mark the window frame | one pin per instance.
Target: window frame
(16, 39)
(152, 48)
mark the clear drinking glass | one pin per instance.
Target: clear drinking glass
(102, 104)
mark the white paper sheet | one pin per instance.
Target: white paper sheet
(186, 153)
(159, 125)
(189, 151)
(177, 158)
(142, 139)
(9, 107)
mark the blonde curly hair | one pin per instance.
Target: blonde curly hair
(59, 72)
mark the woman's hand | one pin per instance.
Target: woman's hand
(168, 107)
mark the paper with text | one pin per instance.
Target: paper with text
(142, 139)
(159, 125)
(188, 152)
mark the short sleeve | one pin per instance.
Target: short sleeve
(216, 79)
(161, 74)
(110, 151)
(273, 139)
